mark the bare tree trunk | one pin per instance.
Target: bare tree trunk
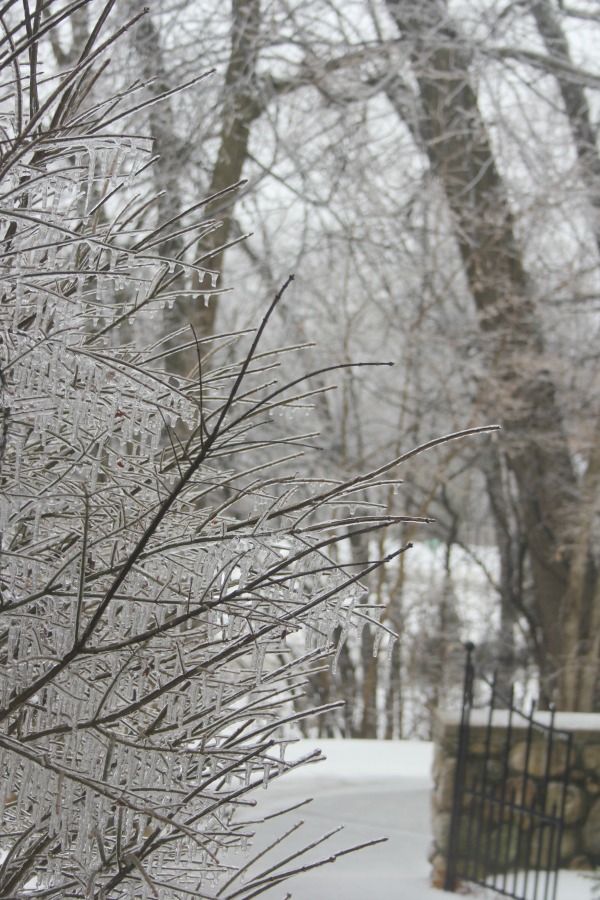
(521, 386)
(344, 685)
(581, 675)
(240, 107)
(367, 727)
(579, 678)
(575, 102)
(511, 543)
(393, 723)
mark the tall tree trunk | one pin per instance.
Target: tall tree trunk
(510, 542)
(239, 108)
(584, 581)
(521, 385)
(367, 726)
(576, 106)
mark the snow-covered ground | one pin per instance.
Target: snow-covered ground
(373, 788)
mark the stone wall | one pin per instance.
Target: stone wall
(580, 845)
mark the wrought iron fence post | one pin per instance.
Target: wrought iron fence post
(459, 778)
(511, 835)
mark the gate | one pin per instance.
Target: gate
(506, 829)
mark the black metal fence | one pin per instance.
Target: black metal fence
(506, 828)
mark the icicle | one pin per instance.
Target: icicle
(360, 626)
(329, 626)
(282, 749)
(185, 766)
(117, 164)
(377, 641)
(392, 638)
(79, 288)
(36, 521)
(53, 790)
(338, 650)
(259, 661)
(58, 192)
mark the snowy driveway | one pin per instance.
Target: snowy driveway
(373, 788)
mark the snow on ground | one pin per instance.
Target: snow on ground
(373, 788)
